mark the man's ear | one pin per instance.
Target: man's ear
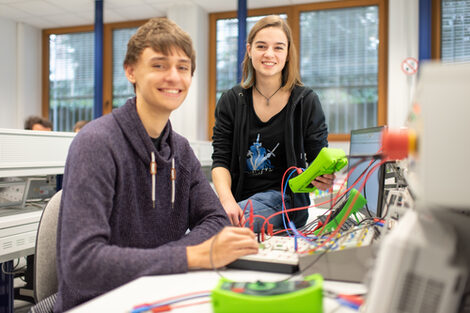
(129, 70)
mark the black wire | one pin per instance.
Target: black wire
(366, 156)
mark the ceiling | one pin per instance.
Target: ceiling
(62, 13)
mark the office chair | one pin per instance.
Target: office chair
(45, 272)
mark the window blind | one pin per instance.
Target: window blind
(339, 61)
(122, 88)
(71, 76)
(455, 31)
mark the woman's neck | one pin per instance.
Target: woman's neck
(268, 86)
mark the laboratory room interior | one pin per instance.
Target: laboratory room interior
(357, 107)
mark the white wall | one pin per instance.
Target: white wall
(191, 119)
(20, 64)
(403, 43)
(20, 76)
(28, 68)
(8, 74)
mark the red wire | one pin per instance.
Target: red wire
(346, 215)
(357, 180)
(167, 308)
(338, 195)
(347, 212)
(284, 209)
(171, 298)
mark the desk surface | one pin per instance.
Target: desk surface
(154, 288)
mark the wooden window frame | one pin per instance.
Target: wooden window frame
(107, 60)
(293, 18)
(436, 11)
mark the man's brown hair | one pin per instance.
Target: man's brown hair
(162, 35)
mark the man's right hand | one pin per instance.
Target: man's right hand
(225, 247)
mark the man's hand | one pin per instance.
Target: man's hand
(234, 212)
(227, 246)
(324, 182)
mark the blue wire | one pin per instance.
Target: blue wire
(348, 304)
(299, 235)
(282, 204)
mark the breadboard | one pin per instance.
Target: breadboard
(278, 254)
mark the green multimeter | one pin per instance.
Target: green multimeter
(328, 161)
(300, 296)
(358, 204)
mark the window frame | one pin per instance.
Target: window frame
(293, 18)
(107, 59)
(436, 11)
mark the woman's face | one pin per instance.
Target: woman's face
(268, 52)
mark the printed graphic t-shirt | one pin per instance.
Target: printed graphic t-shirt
(266, 156)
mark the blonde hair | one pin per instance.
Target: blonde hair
(290, 72)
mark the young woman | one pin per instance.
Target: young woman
(264, 126)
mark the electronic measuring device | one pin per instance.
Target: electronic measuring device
(337, 215)
(328, 161)
(300, 296)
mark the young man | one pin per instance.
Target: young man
(132, 186)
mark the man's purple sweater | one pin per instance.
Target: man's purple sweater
(109, 233)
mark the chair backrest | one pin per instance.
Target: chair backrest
(45, 271)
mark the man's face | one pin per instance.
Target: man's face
(40, 127)
(162, 81)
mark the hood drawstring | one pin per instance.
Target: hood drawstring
(153, 171)
(173, 179)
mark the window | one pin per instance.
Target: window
(68, 84)
(122, 89)
(342, 56)
(452, 35)
(339, 60)
(71, 79)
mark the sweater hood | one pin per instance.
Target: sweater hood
(131, 126)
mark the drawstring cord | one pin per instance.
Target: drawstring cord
(153, 171)
(173, 179)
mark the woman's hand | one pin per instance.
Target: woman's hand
(234, 212)
(324, 182)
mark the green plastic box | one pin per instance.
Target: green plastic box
(328, 161)
(300, 296)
